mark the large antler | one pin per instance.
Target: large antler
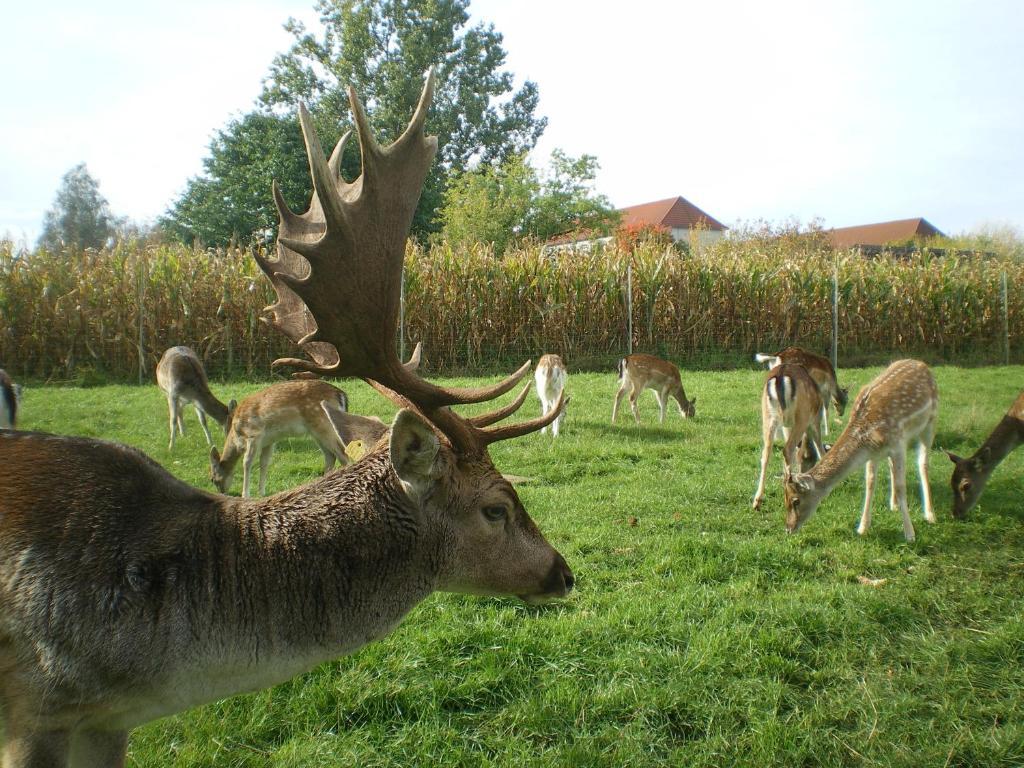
(338, 275)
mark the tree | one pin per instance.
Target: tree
(504, 203)
(382, 48)
(80, 216)
(232, 201)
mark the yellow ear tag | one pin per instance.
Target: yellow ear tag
(355, 450)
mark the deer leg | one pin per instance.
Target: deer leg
(869, 492)
(99, 749)
(556, 425)
(248, 459)
(923, 449)
(899, 480)
(172, 411)
(767, 435)
(544, 406)
(893, 503)
(633, 397)
(824, 419)
(201, 414)
(32, 748)
(265, 456)
(662, 399)
(618, 399)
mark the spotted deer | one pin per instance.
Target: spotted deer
(282, 410)
(971, 475)
(10, 398)
(638, 372)
(821, 370)
(891, 413)
(550, 378)
(127, 595)
(180, 374)
(790, 405)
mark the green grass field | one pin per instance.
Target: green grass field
(699, 633)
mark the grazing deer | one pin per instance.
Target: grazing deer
(285, 409)
(349, 427)
(896, 409)
(127, 595)
(550, 378)
(821, 370)
(790, 404)
(970, 475)
(639, 372)
(10, 397)
(180, 374)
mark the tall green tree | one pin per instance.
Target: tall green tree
(80, 216)
(232, 200)
(508, 202)
(382, 48)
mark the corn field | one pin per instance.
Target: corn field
(81, 316)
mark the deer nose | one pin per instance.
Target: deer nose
(559, 579)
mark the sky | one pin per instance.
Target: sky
(847, 113)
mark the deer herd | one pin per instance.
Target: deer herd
(127, 595)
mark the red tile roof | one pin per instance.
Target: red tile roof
(674, 213)
(880, 234)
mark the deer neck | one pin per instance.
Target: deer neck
(1008, 434)
(352, 551)
(847, 455)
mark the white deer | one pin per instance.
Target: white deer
(127, 595)
(551, 377)
(896, 410)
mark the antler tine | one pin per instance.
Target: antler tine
(492, 417)
(508, 431)
(325, 183)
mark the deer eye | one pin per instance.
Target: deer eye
(495, 513)
(796, 503)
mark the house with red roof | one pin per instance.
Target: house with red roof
(901, 230)
(683, 220)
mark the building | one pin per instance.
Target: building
(679, 216)
(875, 235)
(684, 221)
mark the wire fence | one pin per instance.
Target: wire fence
(87, 317)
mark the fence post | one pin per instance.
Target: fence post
(629, 308)
(1006, 321)
(140, 299)
(835, 313)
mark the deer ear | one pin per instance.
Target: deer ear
(983, 457)
(214, 457)
(803, 482)
(413, 448)
(331, 410)
(953, 457)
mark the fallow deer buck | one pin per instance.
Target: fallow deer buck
(970, 475)
(10, 398)
(821, 370)
(892, 412)
(550, 378)
(127, 595)
(790, 406)
(638, 372)
(180, 374)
